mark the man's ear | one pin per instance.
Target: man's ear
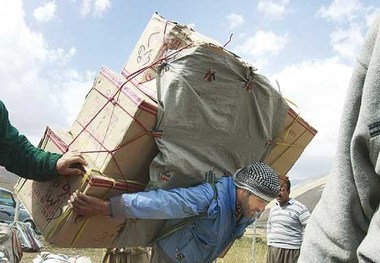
(239, 194)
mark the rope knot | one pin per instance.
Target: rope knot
(249, 83)
(112, 100)
(165, 66)
(210, 75)
(165, 176)
(156, 133)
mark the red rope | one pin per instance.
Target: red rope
(61, 145)
(228, 40)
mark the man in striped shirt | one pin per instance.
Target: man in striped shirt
(286, 222)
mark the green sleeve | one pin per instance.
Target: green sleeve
(19, 156)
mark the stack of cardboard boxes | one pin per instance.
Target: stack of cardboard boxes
(115, 130)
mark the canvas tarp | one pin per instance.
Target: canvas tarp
(215, 112)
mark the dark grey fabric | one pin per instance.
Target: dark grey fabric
(282, 255)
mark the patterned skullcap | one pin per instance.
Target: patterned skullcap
(259, 179)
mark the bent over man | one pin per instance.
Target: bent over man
(218, 213)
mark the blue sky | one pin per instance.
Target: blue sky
(50, 52)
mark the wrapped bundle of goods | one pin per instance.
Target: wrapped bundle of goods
(182, 106)
(214, 112)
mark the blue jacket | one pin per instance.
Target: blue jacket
(204, 238)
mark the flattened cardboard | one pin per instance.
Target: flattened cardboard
(291, 143)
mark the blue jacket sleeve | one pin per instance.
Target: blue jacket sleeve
(164, 204)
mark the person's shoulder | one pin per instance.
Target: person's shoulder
(274, 207)
(3, 111)
(299, 204)
(2, 106)
(224, 184)
(225, 180)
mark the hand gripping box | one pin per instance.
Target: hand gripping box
(47, 201)
(160, 39)
(71, 230)
(290, 144)
(115, 126)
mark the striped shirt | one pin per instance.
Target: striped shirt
(285, 224)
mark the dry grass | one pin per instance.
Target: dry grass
(240, 252)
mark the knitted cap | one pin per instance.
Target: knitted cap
(260, 179)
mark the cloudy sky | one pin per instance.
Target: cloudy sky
(50, 52)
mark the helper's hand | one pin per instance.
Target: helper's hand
(71, 163)
(88, 205)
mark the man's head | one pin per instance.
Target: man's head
(257, 184)
(283, 196)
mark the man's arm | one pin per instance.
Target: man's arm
(19, 156)
(304, 217)
(156, 204)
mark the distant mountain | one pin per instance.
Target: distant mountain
(308, 192)
(7, 179)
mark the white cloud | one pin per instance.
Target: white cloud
(262, 43)
(34, 78)
(261, 47)
(234, 21)
(96, 7)
(318, 88)
(60, 56)
(347, 42)
(101, 6)
(85, 7)
(352, 19)
(75, 87)
(340, 10)
(46, 12)
(371, 15)
(272, 8)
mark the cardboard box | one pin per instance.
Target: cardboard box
(161, 38)
(47, 201)
(290, 144)
(115, 127)
(71, 230)
(149, 88)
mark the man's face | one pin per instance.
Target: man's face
(283, 196)
(251, 205)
